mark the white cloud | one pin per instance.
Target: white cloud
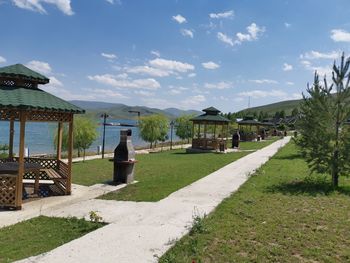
(36, 5)
(340, 35)
(2, 59)
(220, 85)
(171, 65)
(254, 32)
(105, 94)
(225, 38)
(287, 67)
(42, 67)
(290, 83)
(319, 55)
(264, 81)
(156, 53)
(256, 94)
(227, 14)
(287, 25)
(210, 65)
(119, 2)
(187, 33)
(296, 96)
(180, 19)
(55, 82)
(193, 100)
(321, 70)
(144, 93)
(175, 92)
(114, 81)
(147, 70)
(109, 55)
(191, 75)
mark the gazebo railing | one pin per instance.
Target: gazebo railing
(49, 166)
(205, 143)
(8, 191)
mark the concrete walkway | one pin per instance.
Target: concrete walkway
(139, 232)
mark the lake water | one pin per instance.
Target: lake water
(39, 136)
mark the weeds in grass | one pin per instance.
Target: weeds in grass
(95, 217)
(198, 225)
(167, 258)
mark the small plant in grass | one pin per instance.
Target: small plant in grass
(95, 217)
(198, 225)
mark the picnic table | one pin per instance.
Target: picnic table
(12, 168)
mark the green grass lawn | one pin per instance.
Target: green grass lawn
(39, 235)
(281, 214)
(159, 174)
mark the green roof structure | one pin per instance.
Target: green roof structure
(34, 99)
(18, 90)
(211, 115)
(20, 71)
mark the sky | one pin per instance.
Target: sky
(176, 53)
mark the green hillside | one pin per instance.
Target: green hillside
(94, 109)
(270, 109)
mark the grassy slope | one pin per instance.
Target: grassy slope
(39, 235)
(287, 106)
(280, 215)
(158, 174)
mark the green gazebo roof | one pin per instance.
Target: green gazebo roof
(14, 94)
(20, 71)
(211, 115)
(34, 99)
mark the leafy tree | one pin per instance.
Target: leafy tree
(153, 128)
(325, 136)
(184, 127)
(295, 112)
(84, 134)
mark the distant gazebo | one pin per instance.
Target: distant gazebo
(22, 101)
(249, 128)
(209, 130)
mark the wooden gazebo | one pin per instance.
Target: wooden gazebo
(209, 130)
(249, 128)
(22, 101)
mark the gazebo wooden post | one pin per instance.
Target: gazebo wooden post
(12, 133)
(214, 130)
(70, 155)
(19, 183)
(59, 140)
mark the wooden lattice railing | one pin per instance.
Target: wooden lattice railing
(8, 182)
(8, 190)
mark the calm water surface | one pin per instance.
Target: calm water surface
(39, 136)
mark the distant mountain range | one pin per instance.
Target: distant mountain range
(270, 109)
(121, 111)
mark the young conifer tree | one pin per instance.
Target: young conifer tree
(323, 125)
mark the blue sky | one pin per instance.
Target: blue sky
(176, 53)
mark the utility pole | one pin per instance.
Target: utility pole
(171, 134)
(104, 116)
(138, 115)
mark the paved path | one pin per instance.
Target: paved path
(138, 232)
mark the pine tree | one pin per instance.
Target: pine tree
(325, 135)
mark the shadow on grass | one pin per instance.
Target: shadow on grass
(309, 187)
(293, 156)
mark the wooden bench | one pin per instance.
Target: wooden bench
(56, 177)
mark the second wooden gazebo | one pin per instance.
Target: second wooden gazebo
(209, 130)
(22, 101)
